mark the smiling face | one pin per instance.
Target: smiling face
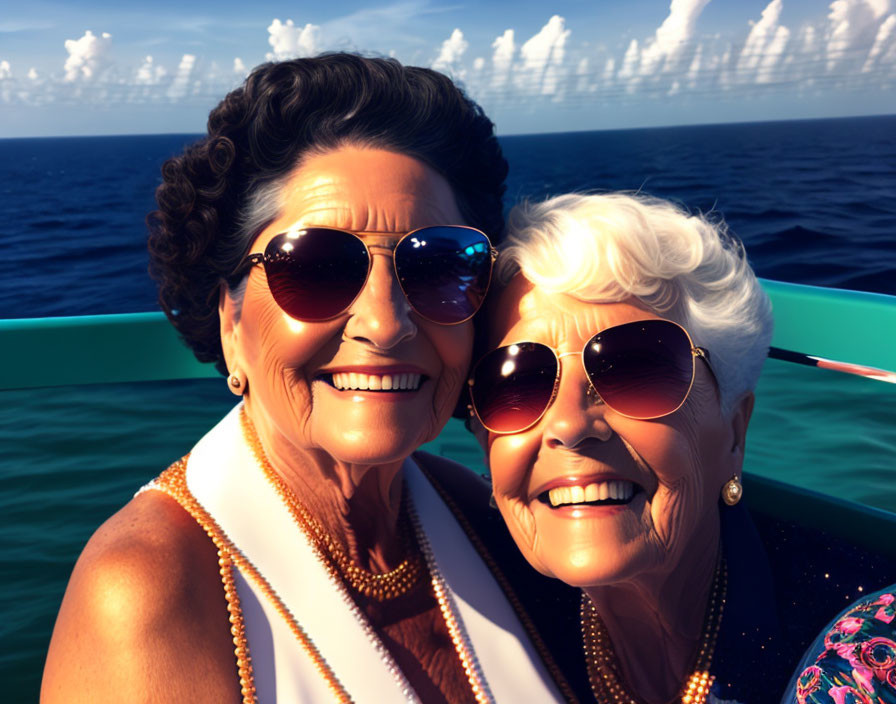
(319, 386)
(666, 474)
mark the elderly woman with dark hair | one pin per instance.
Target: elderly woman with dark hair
(625, 347)
(324, 245)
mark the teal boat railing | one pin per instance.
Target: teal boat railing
(847, 326)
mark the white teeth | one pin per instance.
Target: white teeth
(375, 382)
(596, 491)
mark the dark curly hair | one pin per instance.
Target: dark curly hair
(258, 134)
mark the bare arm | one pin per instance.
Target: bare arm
(144, 616)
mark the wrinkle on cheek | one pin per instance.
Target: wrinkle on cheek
(446, 393)
(524, 521)
(667, 513)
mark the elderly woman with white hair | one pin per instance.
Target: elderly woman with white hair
(616, 393)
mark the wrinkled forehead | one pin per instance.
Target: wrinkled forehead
(368, 190)
(525, 312)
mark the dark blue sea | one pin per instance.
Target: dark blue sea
(813, 201)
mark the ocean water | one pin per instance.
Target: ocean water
(812, 201)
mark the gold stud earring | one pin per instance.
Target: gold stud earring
(732, 491)
(235, 384)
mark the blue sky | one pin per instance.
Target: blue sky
(105, 67)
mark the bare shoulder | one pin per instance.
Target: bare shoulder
(143, 613)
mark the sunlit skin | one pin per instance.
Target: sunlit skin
(342, 450)
(144, 611)
(648, 564)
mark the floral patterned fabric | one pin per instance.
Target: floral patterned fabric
(854, 661)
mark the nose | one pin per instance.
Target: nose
(576, 415)
(381, 314)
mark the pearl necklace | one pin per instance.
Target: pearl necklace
(603, 667)
(383, 586)
(447, 607)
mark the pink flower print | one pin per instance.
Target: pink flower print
(849, 625)
(885, 599)
(884, 614)
(848, 695)
(847, 651)
(891, 678)
(878, 653)
(864, 677)
(807, 683)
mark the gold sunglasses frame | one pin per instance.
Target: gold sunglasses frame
(256, 258)
(696, 352)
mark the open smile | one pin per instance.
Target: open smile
(614, 492)
(361, 381)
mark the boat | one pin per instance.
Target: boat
(820, 334)
(848, 331)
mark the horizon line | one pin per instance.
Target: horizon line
(500, 134)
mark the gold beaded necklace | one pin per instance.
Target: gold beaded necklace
(382, 587)
(603, 667)
(447, 608)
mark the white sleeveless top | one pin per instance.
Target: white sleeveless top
(224, 478)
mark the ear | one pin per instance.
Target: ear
(739, 420)
(228, 316)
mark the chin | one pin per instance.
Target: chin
(579, 570)
(373, 446)
(594, 565)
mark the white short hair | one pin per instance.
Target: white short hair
(607, 248)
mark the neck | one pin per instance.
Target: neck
(656, 622)
(357, 505)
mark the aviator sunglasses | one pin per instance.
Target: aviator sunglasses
(642, 370)
(316, 273)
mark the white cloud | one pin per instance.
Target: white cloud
(630, 61)
(881, 41)
(847, 42)
(6, 82)
(582, 84)
(542, 57)
(289, 41)
(696, 66)
(86, 56)
(772, 55)
(673, 37)
(502, 58)
(758, 40)
(451, 53)
(853, 26)
(149, 73)
(609, 70)
(182, 79)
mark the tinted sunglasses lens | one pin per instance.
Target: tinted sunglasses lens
(444, 272)
(315, 274)
(642, 369)
(513, 386)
